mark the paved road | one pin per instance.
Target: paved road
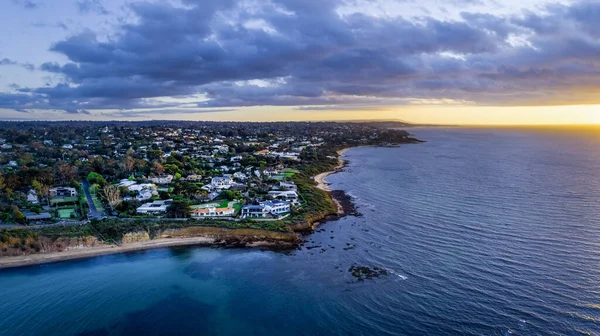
(93, 212)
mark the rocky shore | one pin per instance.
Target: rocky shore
(343, 202)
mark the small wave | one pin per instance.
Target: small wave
(403, 277)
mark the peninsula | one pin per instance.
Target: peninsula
(78, 189)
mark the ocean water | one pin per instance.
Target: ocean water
(484, 232)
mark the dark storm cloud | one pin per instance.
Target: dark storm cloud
(306, 54)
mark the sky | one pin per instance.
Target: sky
(422, 61)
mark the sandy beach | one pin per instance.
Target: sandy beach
(323, 185)
(87, 252)
(320, 179)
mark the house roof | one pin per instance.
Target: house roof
(208, 210)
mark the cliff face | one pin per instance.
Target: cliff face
(218, 236)
(237, 237)
(136, 237)
(31, 245)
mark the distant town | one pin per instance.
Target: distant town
(257, 175)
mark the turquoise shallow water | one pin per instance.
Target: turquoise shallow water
(486, 232)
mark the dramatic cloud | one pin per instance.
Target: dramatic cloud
(309, 54)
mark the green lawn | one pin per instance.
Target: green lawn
(60, 200)
(219, 204)
(66, 213)
(98, 204)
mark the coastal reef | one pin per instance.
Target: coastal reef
(362, 273)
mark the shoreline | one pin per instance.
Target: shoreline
(320, 178)
(90, 252)
(344, 206)
(206, 240)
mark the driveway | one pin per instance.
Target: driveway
(93, 212)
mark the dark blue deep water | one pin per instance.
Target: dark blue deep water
(486, 232)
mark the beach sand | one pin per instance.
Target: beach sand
(87, 252)
(320, 179)
(323, 185)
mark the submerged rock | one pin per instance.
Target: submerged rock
(363, 272)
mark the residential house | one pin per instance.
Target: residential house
(155, 208)
(285, 195)
(32, 197)
(33, 217)
(240, 176)
(162, 179)
(212, 212)
(219, 183)
(193, 178)
(63, 192)
(144, 195)
(274, 208)
(277, 207)
(254, 211)
(288, 186)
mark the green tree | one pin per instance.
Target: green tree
(17, 215)
(231, 194)
(180, 208)
(96, 178)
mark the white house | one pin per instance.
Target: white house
(254, 211)
(212, 212)
(162, 179)
(32, 197)
(240, 176)
(285, 195)
(156, 207)
(219, 183)
(275, 208)
(193, 178)
(288, 186)
(63, 192)
(144, 195)
(142, 186)
(126, 183)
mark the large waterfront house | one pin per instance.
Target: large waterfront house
(212, 212)
(288, 186)
(156, 207)
(274, 208)
(288, 195)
